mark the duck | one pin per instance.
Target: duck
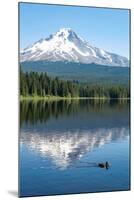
(104, 165)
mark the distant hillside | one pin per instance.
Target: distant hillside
(85, 73)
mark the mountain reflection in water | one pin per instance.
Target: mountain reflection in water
(64, 131)
(66, 148)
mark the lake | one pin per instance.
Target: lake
(62, 142)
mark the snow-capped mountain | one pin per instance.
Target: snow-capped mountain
(66, 45)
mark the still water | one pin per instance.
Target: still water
(62, 142)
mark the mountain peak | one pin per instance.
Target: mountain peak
(66, 45)
(65, 30)
(66, 33)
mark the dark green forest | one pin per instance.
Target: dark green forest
(40, 84)
(84, 73)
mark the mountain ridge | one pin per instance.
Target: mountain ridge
(66, 46)
(84, 73)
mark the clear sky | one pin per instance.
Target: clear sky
(101, 27)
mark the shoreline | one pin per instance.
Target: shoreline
(21, 98)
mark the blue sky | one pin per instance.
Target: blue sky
(104, 28)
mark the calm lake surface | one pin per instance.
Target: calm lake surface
(61, 143)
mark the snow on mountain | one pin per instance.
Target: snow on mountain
(66, 45)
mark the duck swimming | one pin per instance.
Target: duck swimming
(104, 165)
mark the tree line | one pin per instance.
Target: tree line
(40, 84)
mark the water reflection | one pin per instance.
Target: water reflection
(66, 148)
(41, 111)
(64, 131)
